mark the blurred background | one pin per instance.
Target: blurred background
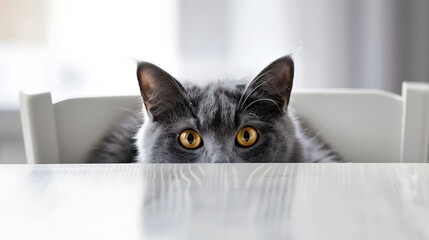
(80, 48)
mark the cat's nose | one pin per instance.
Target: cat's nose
(220, 158)
(216, 151)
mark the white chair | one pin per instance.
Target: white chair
(362, 125)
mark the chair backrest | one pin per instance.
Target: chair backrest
(362, 125)
(66, 131)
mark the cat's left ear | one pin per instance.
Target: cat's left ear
(274, 82)
(161, 92)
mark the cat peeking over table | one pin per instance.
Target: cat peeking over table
(222, 122)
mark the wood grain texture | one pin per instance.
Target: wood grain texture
(215, 201)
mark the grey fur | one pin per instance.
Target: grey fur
(217, 112)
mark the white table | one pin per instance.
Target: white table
(215, 201)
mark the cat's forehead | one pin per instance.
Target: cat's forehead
(216, 104)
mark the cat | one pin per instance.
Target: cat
(222, 122)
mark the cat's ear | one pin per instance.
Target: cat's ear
(161, 93)
(274, 83)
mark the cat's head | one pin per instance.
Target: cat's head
(221, 122)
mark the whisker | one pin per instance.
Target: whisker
(240, 101)
(253, 114)
(264, 99)
(250, 93)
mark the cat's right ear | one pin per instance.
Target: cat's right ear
(272, 86)
(161, 93)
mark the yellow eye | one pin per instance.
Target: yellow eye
(247, 136)
(190, 139)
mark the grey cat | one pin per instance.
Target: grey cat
(221, 122)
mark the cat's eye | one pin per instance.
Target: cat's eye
(246, 137)
(190, 139)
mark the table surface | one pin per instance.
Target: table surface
(215, 201)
